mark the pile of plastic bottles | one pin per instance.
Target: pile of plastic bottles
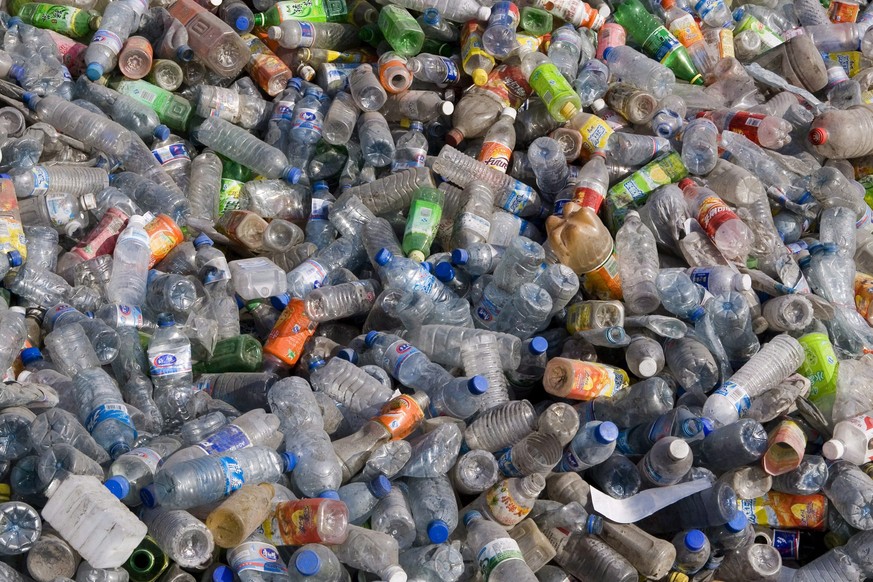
(436, 290)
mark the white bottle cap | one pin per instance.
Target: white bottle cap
(833, 450)
(648, 367)
(484, 13)
(88, 201)
(447, 107)
(509, 112)
(742, 282)
(137, 220)
(394, 573)
(22, 377)
(678, 450)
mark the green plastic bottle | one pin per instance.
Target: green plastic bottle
(821, 366)
(658, 42)
(147, 562)
(233, 177)
(425, 213)
(61, 19)
(308, 10)
(401, 30)
(173, 110)
(235, 354)
(633, 191)
(535, 21)
(556, 93)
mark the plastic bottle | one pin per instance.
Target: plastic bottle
(498, 555)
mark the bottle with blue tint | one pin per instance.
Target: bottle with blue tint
(680, 295)
(458, 399)
(308, 120)
(210, 479)
(434, 508)
(457, 281)
(103, 412)
(411, 150)
(593, 444)
(617, 476)
(679, 422)
(316, 563)
(529, 373)
(406, 363)
(361, 497)
(393, 516)
(692, 551)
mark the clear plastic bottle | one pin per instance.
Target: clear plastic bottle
(629, 66)
(116, 25)
(546, 157)
(169, 355)
(667, 462)
(350, 386)
(638, 265)
(700, 146)
(502, 426)
(500, 558)
(184, 538)
(340, 120)
(583, 556)
(371, 551)
(103, 412)
(393, 516)
(130, 265)
(726, 230)
(137, 468)
(847, 562)
(499, 37)
(217, 45)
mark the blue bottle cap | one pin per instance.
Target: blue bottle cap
(185, 53)
(438, 531)
(320, 185)
(695, 540)
(383, 257)
(696, 314)
(94, 71)
(348, 354)
(707, 426)
(417, 126)
(30, 99)
(477, 385)
(738, 522)
(147, 496)
(738, 14)
(424, 265)
(239, 301)
(222, 574)
(370, 338)
(470, 516)
(16, 71)
(606, 52)
(460, 257)
(242, 23)
(380, 486)
(7, 176)
(538, 345)
(307, 563)
(290, 460)
(292, 175)
(162, 132)
(14, 21)
(166, 320)
(329, 494)
(444, 272)
(118, 486)
(432, 16)
(280, 302)
(202, 239)
(606, 432)
(29, 355)
(594, 524)
(316, 364)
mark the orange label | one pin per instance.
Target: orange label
(686, 30)
(495, 155)
(298, 521)
(713, 213)
(604, 282)
(290, 333)
(788, 511)
(400, 416)
(864, 295)
(786, 446)
(164, 235)
(843, 12)
(591, 379)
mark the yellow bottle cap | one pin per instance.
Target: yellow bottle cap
(697, 80)
(417, 256)
(480, 77)
(568, 110)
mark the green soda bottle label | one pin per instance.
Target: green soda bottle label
(424, 218)
(229, 195)
(552, 87)
(310, 10)
(60, 19)
(660, 44)
(173, 110)
(635, 189)
(768, 38)
(820, 366)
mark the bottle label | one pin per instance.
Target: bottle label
(604, 282)
(228, 438)
(308, 119)
(396, 355)
(652, 474)
(820, 365)
(610, 35)
(769, 39)
(256, 557)
(550, 84)
(101, 239)
(128, 316)
(508, 85)
(686, 30)
(519, 198)
(59, 211)
(283, 110)
(229, 195)
(167, 364)
(843, 12)
(424, 218)
(487, 310)
(595, 133)
(297, 521)
(320, 209)
(705, 7)
(114, 411)
(785, 510)
(41, 180)
(572, 11)
(171, 153)
(635, 189)
(424, 282)
(401, 416)
(713, 213)
(164, 235)
(591, 380)
(108, 39)
(570, 463)
(502, 506)
(452, 74)
(234, 478)
(660, 44)
(737, 397)
(287, 338)
(57, 312)
(301, 10)
(865, 424)
(225, 105)
(504, 463)
(496, 552)
(57, 18)
(471, 45)
(587, 197)
(307, 33)
(495, 155)
(310, 273)
(474, 223)
(151, 459)
(406, 158)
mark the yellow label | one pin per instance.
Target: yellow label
(849, 60)
(595, 133)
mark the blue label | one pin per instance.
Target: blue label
(396, 355)
(704, 7)
(452, 74)
(106, 412)
(233, 475)
(736, 395)
(701, 277)
(520, 198)
(230, 437)
(167, 154)
(504, 463)
(310, 119)
(569, 463)
(622, 444)
(788, 543)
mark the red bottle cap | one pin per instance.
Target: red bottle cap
(686, 182)
(818, 136)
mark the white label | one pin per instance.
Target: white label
(738, 397)
(474, 223)
(311, 273)
(58, 211)
(108, 39)
(495, 552)
(256, 557)
(171, 364)
(127, 316)
(41, 180)
(151, 459)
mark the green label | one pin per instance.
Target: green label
(229, 195)
(660, 44)
(58, 18)
(146, 93)
(820, 366)
(635, 189)
(549, 84)
(311, 10)
(768, 38)
(424, 218)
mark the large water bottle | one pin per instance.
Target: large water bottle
(183, 537)
(169, 355)
(209, 479)
(498, 555)
(118, 22)
(371, 551)
(350, 386)
(130, 261)
(103, 412)
(593, 444)
(135, 469)
(361, 497)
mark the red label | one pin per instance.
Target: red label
(509, 85)
(713, 213)
(609, 35)
(588, 197)
(495, 155)
(101, 240)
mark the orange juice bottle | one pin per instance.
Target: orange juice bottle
(402, 415)
(285, 343)
(271, 74)
(164, 235)
(580, 380)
